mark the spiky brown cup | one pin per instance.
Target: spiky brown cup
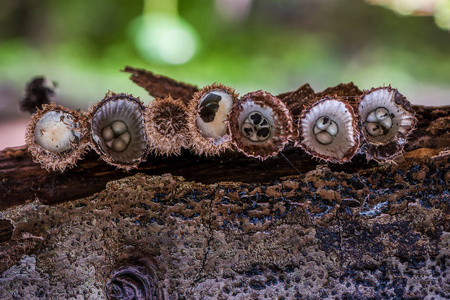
(56, 137)
(116, 127)
(328, 130)
(207, 115)
(260, 125)
(166, 126)
(386, 120)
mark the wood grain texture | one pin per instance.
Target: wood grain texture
(161, 86)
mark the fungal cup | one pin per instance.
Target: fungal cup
(117, 130)
(386, 121)
(207, 117)
(166, 126)
(327, 130)
(56, 137)
(260, 125)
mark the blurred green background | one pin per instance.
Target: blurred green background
(261, 44)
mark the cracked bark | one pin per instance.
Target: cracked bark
(233, 227)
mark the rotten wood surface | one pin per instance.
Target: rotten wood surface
(373, 233)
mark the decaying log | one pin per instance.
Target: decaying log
(23, 180)
(231, 227)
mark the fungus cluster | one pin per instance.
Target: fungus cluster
(341, 121)
(332, 125)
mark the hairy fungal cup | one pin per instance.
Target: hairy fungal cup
(260, 125)
(386, 120)
(166, 126)
(328, 130)
(116, 126)
(56, 137)
(207, 116)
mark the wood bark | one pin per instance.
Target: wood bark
(231, 227)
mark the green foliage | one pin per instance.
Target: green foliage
(277, 47)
